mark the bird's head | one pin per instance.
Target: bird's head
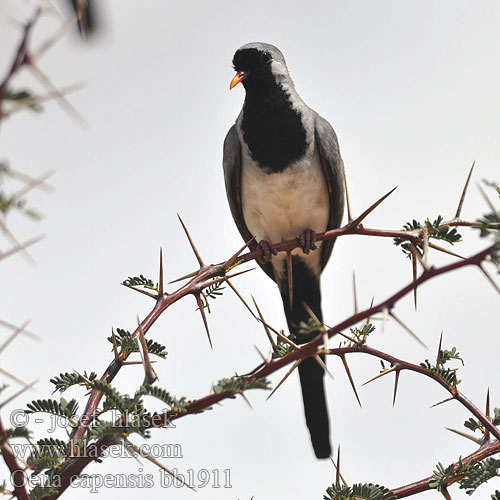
(258, 63)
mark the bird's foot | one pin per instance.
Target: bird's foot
(268, 249)
(307, 239)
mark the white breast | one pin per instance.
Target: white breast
(278, 207)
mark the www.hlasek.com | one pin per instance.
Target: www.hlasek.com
(155, 450)
(197, 479)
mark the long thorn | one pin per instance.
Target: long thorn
(396, 382)
(445, 250)
(476, 439)
(337, 476)
(370, 209)
(486, 199)
(486, 431)
(232, 260)
(185, 277)
(425, 238)
(18, 393)
(12, 326)
(239, 273)
(160, 279)
(63, 102)
(438, 357)
(311, 314)
(414, 272)
(235, 290)
(153, 460)
(351, 380)
(16, 332)
(489, 278)
(288, 373)
(246, 400)
(347, 196)
(266, 329)
(193, 246)
(149, 374)
(385, 318)
(443, 401)
(464, 192)
(264, 359)
(20, 247)
(144, 292)
(322, 364)
(381, 374)
(13, 377)
(369, 317)
(411, 332)
(203, 315)
(340, 473)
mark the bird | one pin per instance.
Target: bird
(284, 179)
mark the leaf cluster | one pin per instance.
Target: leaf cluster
(48, 453)
(237, 385)
(282, 347)
(449, 375)
(128, 344)
(212, 292)
(66, 380)
(60, 408)
(469, 476)
(368, 491)
(141, 281)
(489, 227)
(435, 231)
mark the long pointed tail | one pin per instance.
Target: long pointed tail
(306, 289)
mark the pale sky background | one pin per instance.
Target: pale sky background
(411, 89)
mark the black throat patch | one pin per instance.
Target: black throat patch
(272, 129)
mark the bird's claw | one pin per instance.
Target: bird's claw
(268, 249)
(307, 239)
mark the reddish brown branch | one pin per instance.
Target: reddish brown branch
(202, 279)
(20, 57)
(17, 474)
(423, 485)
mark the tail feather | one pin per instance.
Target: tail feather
(306, 289)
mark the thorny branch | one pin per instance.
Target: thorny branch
(204, 277)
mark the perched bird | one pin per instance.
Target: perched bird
(284, 179)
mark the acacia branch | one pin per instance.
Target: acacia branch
(74, 466)
(17, 475)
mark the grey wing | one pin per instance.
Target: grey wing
(333, 168)
(231, 162)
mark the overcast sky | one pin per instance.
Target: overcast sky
(411, 89)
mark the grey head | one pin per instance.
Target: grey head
(258, 63)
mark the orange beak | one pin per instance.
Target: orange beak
(239, 77)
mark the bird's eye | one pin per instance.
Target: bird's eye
(265, 57)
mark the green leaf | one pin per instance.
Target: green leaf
(366, 491)
(63, 408)
(18, 432)
(125, 341)
(48, 453)
(237, 385)
(141, 281)
(105, 428)
(282, 347)
(178, 405)
(479, 474)
(66, 380)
